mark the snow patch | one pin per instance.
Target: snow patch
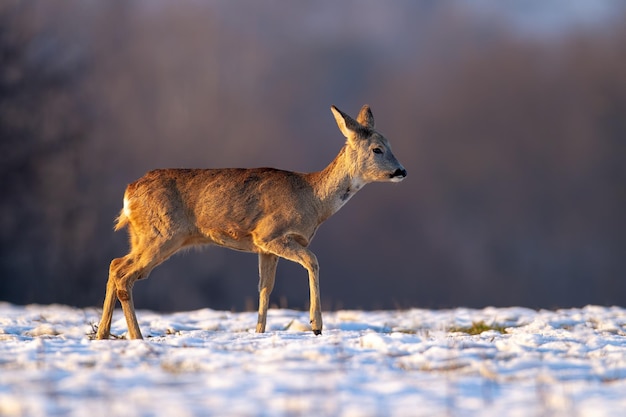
(379, 363)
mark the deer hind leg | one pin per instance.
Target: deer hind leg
(124, 290)
(104, 328)
(267, 274)
(122, 276)
(289, 248)
(151, 256)
(123, 273)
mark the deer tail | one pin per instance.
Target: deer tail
(122, 219)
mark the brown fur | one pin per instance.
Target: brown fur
(268, 211)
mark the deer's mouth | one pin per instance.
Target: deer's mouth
(398, 175)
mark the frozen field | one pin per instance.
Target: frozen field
(379, 363)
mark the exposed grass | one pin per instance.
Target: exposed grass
(479, 327)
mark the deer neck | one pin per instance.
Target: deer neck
(336, 184)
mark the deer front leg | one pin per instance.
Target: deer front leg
(315, 312)
(289, 248)
(267, 274)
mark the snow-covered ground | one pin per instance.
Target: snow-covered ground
(367, 363)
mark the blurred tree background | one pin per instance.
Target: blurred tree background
(510, 119)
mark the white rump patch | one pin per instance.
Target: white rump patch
(126, 208)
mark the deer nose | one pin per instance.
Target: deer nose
(399, 173)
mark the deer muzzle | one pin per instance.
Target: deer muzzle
(398, 175)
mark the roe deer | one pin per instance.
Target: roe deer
(264, 210)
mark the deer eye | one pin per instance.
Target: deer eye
(377, 150)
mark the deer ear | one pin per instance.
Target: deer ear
(348, 126)
(365, 117)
